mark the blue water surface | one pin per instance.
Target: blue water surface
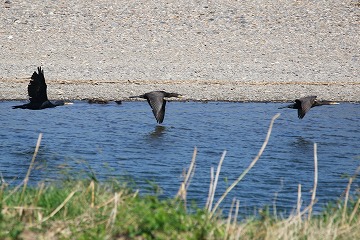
(124, 142)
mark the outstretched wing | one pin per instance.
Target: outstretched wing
(305, 104)
(161, 114)
(157, 103)
(37, 87)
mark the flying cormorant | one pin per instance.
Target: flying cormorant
(157, 102)
(37, 93)
(304, 104)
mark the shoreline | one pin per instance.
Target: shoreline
(192, 90)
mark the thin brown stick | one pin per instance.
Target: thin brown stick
(31, 165)
(249, 167)
(313, 196)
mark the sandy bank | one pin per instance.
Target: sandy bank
(218, 50)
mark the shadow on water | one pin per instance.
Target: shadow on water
(303, 143)
(158, 132)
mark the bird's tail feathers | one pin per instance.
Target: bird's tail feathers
(287, 106)
(18, 106)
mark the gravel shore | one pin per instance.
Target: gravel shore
(250, 50)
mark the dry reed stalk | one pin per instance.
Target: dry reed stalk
(210, 188)
(347, 229)
(3, 185)
(291, 219)
(238, 233)
(2, 180)
(25, 208)
(191, 169)
(13, 191)
(274, 205)
(346, 201)
(36, 199)
(135, 193)
(2, 188)
(216, 181)
(298, 207)
(315, 181)
(108, 201)
(236, 213)
(92, 188)
(182, 192)
(41, 189)
(59, 207)
(355, 210)
(31, 166)
(249, 167)
(228, 222)
(92, 194)
(112, 218)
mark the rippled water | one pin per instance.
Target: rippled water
(124, 141)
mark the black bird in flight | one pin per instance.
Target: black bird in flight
(304, 104)
(37, 93)
(157, 102)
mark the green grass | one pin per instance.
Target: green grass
(90, 210)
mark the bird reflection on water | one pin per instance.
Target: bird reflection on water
(158, 132)
(156, 138)
(303, 143)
